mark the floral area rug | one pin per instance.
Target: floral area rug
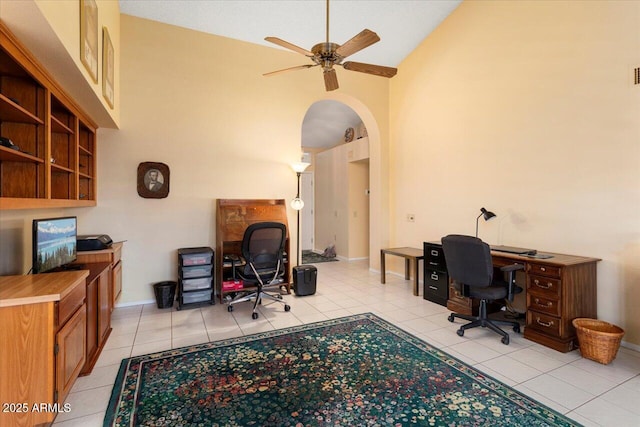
(353, 371)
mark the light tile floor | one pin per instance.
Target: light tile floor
(586, 391)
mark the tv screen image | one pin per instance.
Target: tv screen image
(54, 243)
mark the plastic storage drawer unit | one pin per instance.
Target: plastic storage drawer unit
(195, 272)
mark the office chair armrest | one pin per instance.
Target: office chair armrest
(512, 267)
(511, 281)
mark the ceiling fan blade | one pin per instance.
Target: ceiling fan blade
(377, 70)
(358, 42)
(330, 80)
(297, 67)
(288, 45)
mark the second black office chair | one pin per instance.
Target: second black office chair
(263, 252)
(470, 266)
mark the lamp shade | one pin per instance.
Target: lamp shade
(297, 204)
(299, 167)
(487, 214)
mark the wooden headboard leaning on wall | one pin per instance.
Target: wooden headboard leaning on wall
(233, 216)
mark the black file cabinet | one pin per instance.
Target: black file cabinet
(196, 272)
(436, 278)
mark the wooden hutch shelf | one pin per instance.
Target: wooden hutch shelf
(55, 163)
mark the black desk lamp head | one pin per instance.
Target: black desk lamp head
(487, 216)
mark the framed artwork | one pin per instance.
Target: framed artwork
(108, 67)
(89, 37)
(153, 180)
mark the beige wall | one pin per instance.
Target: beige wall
(527, 109)
(200, 104)
(51, 31)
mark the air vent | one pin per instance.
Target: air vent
(636, 76)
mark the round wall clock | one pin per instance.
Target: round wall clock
(348, 135)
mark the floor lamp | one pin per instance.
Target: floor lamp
(297, 204)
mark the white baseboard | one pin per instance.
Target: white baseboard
(630, 346)
(132, 303)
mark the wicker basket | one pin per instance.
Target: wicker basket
(598, 340)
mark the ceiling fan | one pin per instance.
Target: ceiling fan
(327, 55)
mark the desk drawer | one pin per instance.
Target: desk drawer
(549, 325)
(544, 286)
(545, 270)
(545, 305)
(434, 257)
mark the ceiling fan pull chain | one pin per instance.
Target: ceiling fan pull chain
(327, 21)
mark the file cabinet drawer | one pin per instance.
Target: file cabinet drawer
(436, 286)
(434, 257)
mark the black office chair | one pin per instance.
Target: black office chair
(469, 265)
(263, 253)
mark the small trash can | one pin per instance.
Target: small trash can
(304, 279)
(165, 293)
(598, 340)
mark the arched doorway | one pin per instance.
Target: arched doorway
(341, 215)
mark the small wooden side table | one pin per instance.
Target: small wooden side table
(409, 255)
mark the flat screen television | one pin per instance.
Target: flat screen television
(54, 243)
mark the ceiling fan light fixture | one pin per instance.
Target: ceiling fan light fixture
(327, 54)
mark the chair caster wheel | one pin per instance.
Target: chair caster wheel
(505, 340)
(230, 308)
(287, 307)
(254, 316)
(279, 296)
(451, 318)
(516, 329)
(460, 332)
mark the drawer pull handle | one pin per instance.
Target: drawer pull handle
(541, 323)
(434, 276)
(434, 252)
(433, 288)
(433, 263)
(543, 269)
(540, 285)
(547, 305)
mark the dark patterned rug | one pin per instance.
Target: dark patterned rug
(310, 257)
(354, 371)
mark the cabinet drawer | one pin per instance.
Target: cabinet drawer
(434, 257)
(195, 271)
(549, 325)
(545, 305)
(196, 284)
(545, 286)
(201, 296)
(196, 259)
(545, 270)
(436, 284)
(69, 304)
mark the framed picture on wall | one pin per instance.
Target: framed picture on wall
(153, 180)
(108, 67)
(89, 37)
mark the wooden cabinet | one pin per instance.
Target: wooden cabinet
(42, 343)
(233, 216)
(98, 312)
(113, 256)
(557, 294)
(54, 164)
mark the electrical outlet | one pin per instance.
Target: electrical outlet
(411, 217)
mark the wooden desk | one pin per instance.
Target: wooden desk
(558, 290)
(410, 255)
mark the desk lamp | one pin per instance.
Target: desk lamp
(487, 216)
(297, 204)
